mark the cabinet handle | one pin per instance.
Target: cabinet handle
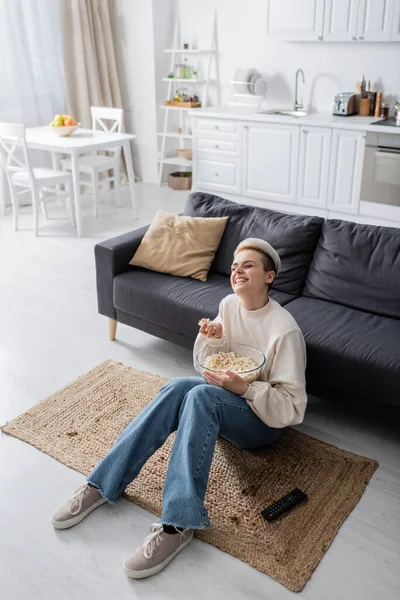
(217, 127)
(217, 174)
(216, 145)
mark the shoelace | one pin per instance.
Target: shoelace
(154, 539)
(77, 498)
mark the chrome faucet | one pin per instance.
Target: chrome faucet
(298, 105)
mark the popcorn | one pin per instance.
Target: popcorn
(200, 323)
(233, 362)
(209, 324)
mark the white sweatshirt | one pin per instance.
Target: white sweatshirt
(279, 396)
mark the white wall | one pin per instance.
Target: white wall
(143, 28)
(164, 15)
(328, 67)
(134, 39)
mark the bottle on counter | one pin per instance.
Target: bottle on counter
(378, 104)
(384, 111)
(372, 98)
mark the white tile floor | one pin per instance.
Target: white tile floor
(50, 333)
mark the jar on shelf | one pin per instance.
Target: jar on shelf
(199, 71)
(179, 71)
(187, 70)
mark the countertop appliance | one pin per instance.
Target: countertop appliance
(344, 104)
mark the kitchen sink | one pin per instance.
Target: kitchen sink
(283, 113)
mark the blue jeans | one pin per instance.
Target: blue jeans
(198, 412)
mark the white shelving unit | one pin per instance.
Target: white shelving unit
(204, 82)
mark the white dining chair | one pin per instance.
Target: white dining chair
(38, 181)
(94, 164)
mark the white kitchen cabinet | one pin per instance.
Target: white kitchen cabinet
(295, 20)
(313, 171)
(375, 20)
(396, 22)
(340, 20)
(334, 20)
(217, 173)
(346, 164)
(270, 153)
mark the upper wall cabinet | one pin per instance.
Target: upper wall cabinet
(375, 20)
(340, 20)
(396, 22)
(294, 20)
(335, 20)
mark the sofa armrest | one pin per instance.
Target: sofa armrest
(112, 258)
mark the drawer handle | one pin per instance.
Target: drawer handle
(216, 145)
(217, 127)
(217, 174)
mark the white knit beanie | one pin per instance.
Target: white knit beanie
(264, 247)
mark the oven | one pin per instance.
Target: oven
(381, 169)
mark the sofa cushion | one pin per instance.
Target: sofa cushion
(293, 236)
(174, 303)
(180, 245)
(357, 266)
(352, 349)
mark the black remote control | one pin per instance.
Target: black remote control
(284, 504)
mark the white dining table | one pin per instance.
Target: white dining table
(82, 141)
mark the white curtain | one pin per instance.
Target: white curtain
(32, 82)
(32, 85)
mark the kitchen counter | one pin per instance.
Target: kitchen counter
(353, 122)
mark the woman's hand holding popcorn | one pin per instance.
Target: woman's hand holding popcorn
(210, 329)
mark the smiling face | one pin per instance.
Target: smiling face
(251, 270)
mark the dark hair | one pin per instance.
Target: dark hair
(267, 261)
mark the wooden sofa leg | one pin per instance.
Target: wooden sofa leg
(112, 329)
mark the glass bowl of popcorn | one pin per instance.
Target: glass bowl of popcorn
(246, 361)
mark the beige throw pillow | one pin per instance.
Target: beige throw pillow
(180, 245)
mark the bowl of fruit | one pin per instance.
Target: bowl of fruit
(64, 125)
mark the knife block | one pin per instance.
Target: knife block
(365, 106)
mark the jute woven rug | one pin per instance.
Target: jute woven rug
(78, 425)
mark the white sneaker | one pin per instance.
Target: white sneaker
(157, 550)
(85, 499)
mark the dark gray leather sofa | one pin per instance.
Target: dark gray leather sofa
(340, 280)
